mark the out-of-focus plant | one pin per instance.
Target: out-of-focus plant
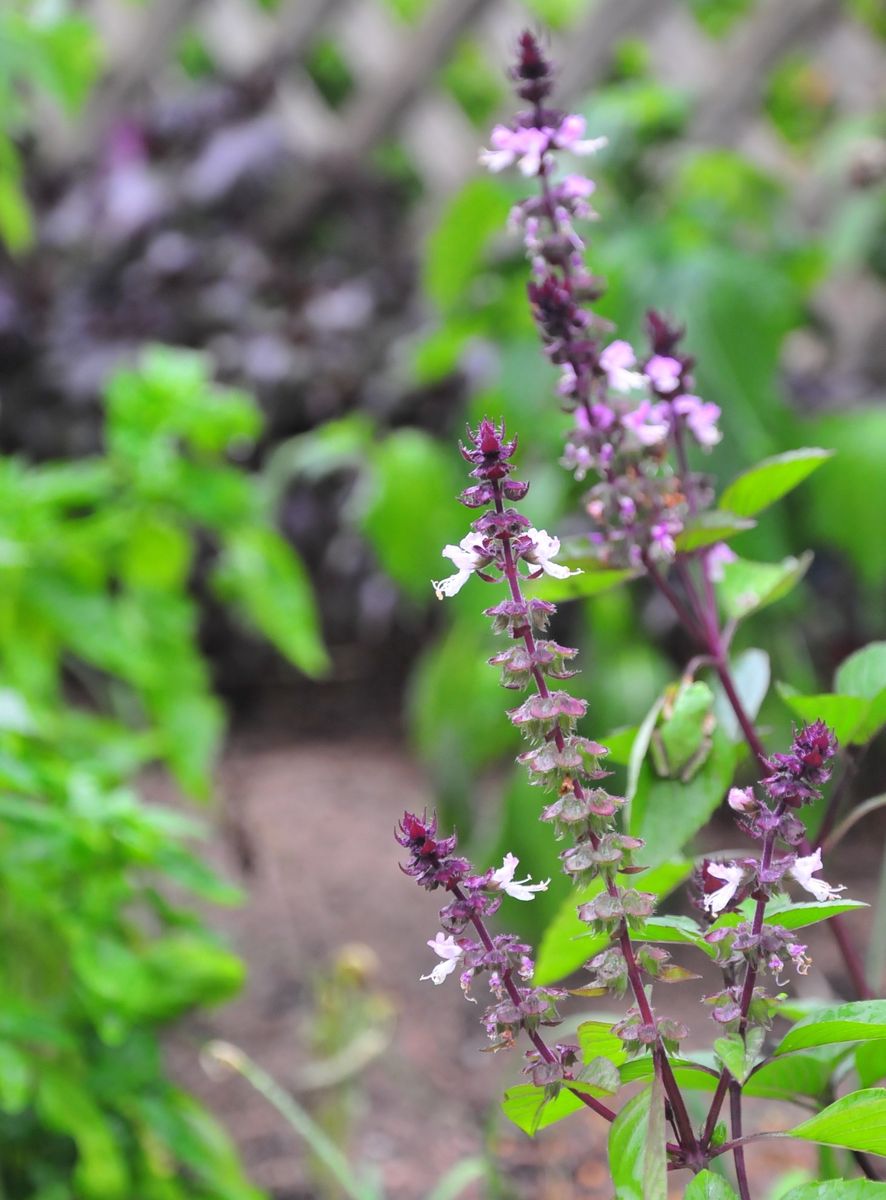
(100, 674)
(348, 1181)
(48, 50)
(636, 428)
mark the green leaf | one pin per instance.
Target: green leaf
(597, 1040)
(771, 479)
(639, 746)
(710, 527)
(838, 1189)
(708, 1186)
(16, 1079)
(747, 586)
(688, 1074)
(737, 1053)
(667, 813)
(655, 1159)
(861, 1020)
(67, 1106)
(263, 576)
(531, 1108)
(567, 943)
(848, 716)
(870, 1062)
(841, 510)
(856, 1121)
(408, 514)
(456, 248)
(330, 447)
(783, 911)
(750, 675)
(636, 1151)
(680, 732)
(804, 1073)
(863, 673)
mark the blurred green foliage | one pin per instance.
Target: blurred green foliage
(47, 50)
(101, 676)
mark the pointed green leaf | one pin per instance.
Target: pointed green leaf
(782, 911)
(708, 1186)
(747, 586)
(265, 578)
(838, 1189)
(862, 1020)
(636, 1161)
(757, 488)
(667, 813)
(597, 1040)
(870, 1062)
(710, 527)
(691, 1075)
(531, 1109)
(804, 1073)
(863, 673)
(848, 716)
(856, 1121)
(655, 1159)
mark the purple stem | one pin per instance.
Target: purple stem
(536, 1039)
(741, 1173)
(687, 1135)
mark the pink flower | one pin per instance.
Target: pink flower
(647, 422)
(570, 136)
(663, 372)
(717, 557)
(701, 418)
(528, 146)
(525, 147)
(449, 951)
(616, 360)
(518, 889)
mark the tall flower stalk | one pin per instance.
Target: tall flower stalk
(635, 418)
(634, 414)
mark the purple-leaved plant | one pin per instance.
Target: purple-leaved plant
(635, 418)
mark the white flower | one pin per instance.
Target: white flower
(467, 556)
(716, 901)
(545, 547)
(803, 870)
(518, 889)
(450, 953)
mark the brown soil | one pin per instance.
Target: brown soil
(312, 826)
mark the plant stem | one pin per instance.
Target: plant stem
(681, 1115)
(738, 1148)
